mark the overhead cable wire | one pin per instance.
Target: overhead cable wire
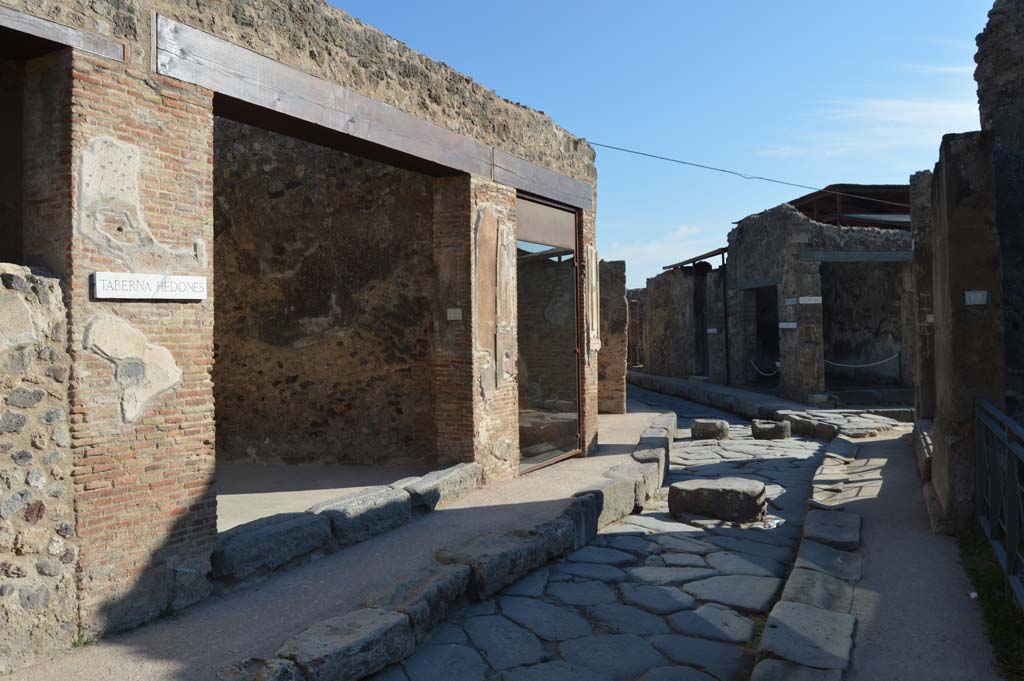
(746, 176)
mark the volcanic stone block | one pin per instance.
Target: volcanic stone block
(809, 636)
(256, 669)
(838, 529)
(351, 646)
(733, 499)
(771, 430)
(442, 486)
(360, 516)
(709, 429)
(266, 544)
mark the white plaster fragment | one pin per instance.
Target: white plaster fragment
(16, 327)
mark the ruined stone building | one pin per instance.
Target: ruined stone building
(242, 236)
(819, 312)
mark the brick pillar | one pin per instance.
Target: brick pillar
(969, 359)
(921, 345)
(590, 341)
(614, 322)
(141, 397)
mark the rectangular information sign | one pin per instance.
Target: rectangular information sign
(132, 286)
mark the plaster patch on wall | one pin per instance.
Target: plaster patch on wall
(593, 298)
(142, 370)
(17, 329)
(110, 210)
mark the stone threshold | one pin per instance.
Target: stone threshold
(810, 632)
(822, 424)
(359, 643)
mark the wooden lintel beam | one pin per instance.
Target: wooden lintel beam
(196, 57)
(61, 34)
(857, 256)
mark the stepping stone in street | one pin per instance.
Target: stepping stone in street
(771, 430)
(722, 660)
(663, 576)
(734, 499)
(626, 619)
(753, 594)
(531, 585)
(504, 643)
(582, 593)
(809, 636)
(727, 563)
(661, 600)
(682, 560)
(819, 590)
(844, 565)
(624, 656)
(838, 529)
(593, 571)
(709, 429)
(605, 556)
(714, 622)
(783, 554)
(780, 670)
(442, 663)
(552, 671)
(676, 674)
(550, 622)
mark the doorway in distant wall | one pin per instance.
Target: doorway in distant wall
(701, 358)
(762, 304)
(548, 334)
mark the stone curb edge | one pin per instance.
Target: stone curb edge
(818, 594)
(360, 643)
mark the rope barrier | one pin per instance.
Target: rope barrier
(862, 366)
(758, 370)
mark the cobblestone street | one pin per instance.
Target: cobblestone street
(651, 598)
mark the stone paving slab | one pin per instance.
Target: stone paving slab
(653, 596)
(809, 636)
(838, 529)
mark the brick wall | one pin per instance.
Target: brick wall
(589, 283)
(324, 303)
(142, 432)
(611, 372)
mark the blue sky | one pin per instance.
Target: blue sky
(810, 92)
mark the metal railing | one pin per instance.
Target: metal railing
(999, 496)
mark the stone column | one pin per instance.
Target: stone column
(801, 345)
(716, 332)
(921, 347)
(968, 309)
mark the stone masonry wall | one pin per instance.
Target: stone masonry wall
(716, 331)
(142, 408)
(668, 324)
(324, 303)
(326, 42)
(1000, 77)
(38, 546)
(924, 330)
(611, 368)
(636, 299)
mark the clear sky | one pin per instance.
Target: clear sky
(810, 92)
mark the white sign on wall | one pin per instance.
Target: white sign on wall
(132, 286)
(810, 300)
(790, 301)
(712, 329)
(787, 325)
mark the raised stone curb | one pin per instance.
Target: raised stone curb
(810, 627)
(265, 545)
(360, 516)
(442, 486)
(365, 641)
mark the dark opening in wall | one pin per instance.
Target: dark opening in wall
(862, 325)
(547, 333)
(12, 75)
(763, 347)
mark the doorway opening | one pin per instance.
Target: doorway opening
(324, 297)
(548, 335)
(761, 309)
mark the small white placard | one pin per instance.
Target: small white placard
(133, 286)
(929, 318)
(810, 300)
(455, 314)
(787, 325)
(712, 330)
(790, 301)
(976, 297)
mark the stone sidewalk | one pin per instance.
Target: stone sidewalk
(650, 598)
(194, 644)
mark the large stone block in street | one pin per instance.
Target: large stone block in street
(709, 429)
(733, 499)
